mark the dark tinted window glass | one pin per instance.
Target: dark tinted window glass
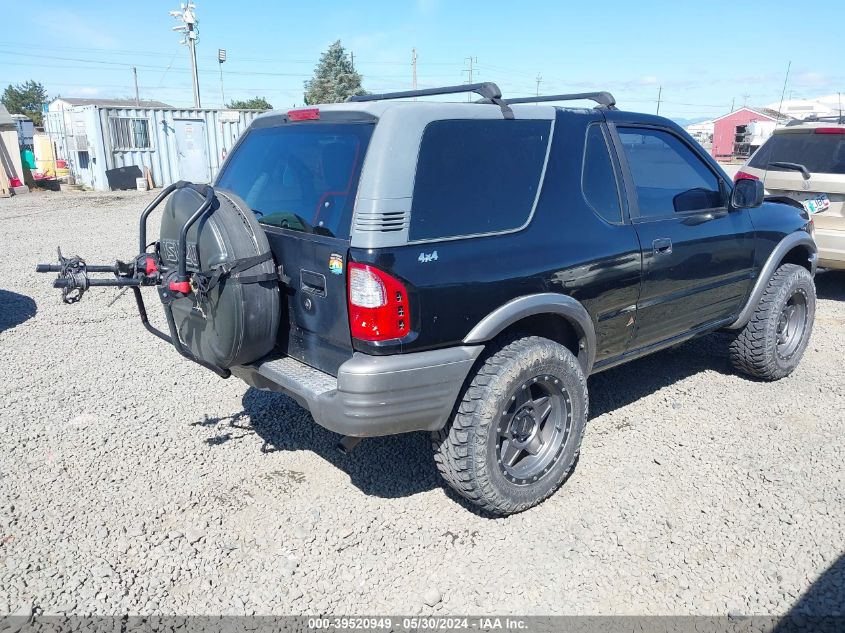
(598, 179)
(477, 176)
(300, 176)
(819, 153)
(668, 176)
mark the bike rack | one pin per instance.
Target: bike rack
(73, 273)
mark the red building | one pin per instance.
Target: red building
(732, 136)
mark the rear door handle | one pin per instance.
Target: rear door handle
(313, 283)
(662, 246)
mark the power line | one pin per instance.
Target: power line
(109, 51)
(121, 66)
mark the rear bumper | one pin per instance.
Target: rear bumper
(372, 395)
(831, 245)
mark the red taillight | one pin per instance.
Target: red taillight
(304, 114)
(378, 304)
(744, 175)
(830, 130)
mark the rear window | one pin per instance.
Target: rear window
(477, 176)
(819, 153)
(302, 177)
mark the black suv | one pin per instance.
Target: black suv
(462, 268)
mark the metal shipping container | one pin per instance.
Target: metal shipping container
(174, 143)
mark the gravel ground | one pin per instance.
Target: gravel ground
(133, 481)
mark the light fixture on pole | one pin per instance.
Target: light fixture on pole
(221, 57)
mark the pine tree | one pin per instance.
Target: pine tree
(334, 78)
(25, 98)
(256, 103)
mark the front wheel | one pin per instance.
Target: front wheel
(517, 431)
(772, 343)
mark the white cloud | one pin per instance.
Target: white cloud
(810, 79)
(86, 91)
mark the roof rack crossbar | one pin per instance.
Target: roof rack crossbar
(603, 98)
(487, 89)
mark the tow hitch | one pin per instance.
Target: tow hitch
(147, 269)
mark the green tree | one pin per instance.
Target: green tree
(334, 78)
(256, 103)
(25, 98)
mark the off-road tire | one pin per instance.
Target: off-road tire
(465, 450)
(755, 350)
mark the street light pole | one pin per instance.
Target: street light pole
(221, 57)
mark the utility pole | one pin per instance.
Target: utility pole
(469, 71)
(221, 57)
(538, 80)
(745, 99)
(414, 69)
(733, 100)
(352, 59)
(135, 76)
(659, 95)
(785, 81)
(188, 18)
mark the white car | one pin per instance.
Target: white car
(805, 161)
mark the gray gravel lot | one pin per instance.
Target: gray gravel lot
(133, 481)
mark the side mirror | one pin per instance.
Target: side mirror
(747, 194)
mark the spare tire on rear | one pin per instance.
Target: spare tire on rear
(237, 320)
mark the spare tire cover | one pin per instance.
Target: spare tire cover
(238, 322)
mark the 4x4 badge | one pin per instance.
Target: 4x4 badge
(336, 264)
(424, 258)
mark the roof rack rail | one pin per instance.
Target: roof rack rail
(488, 90)
(603, 98)
(815, 119)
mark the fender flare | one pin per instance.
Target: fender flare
(798, 238)
(542, 303)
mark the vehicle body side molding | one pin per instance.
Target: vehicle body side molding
(798, 238)
(542, 303)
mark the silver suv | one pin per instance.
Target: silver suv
(805, 161)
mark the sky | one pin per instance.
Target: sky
(702, 56)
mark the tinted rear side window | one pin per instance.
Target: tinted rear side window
(819, 153)
(598, 179)
(477, 176)
(301, 176)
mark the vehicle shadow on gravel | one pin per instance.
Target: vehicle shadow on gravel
(618, 387)
(402, 465)
(822, 607)
(389, 467)
(15, 309)
(830, 284)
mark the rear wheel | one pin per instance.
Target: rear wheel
(518, 429)
(772, 343)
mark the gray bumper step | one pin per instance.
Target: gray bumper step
(297, 376)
